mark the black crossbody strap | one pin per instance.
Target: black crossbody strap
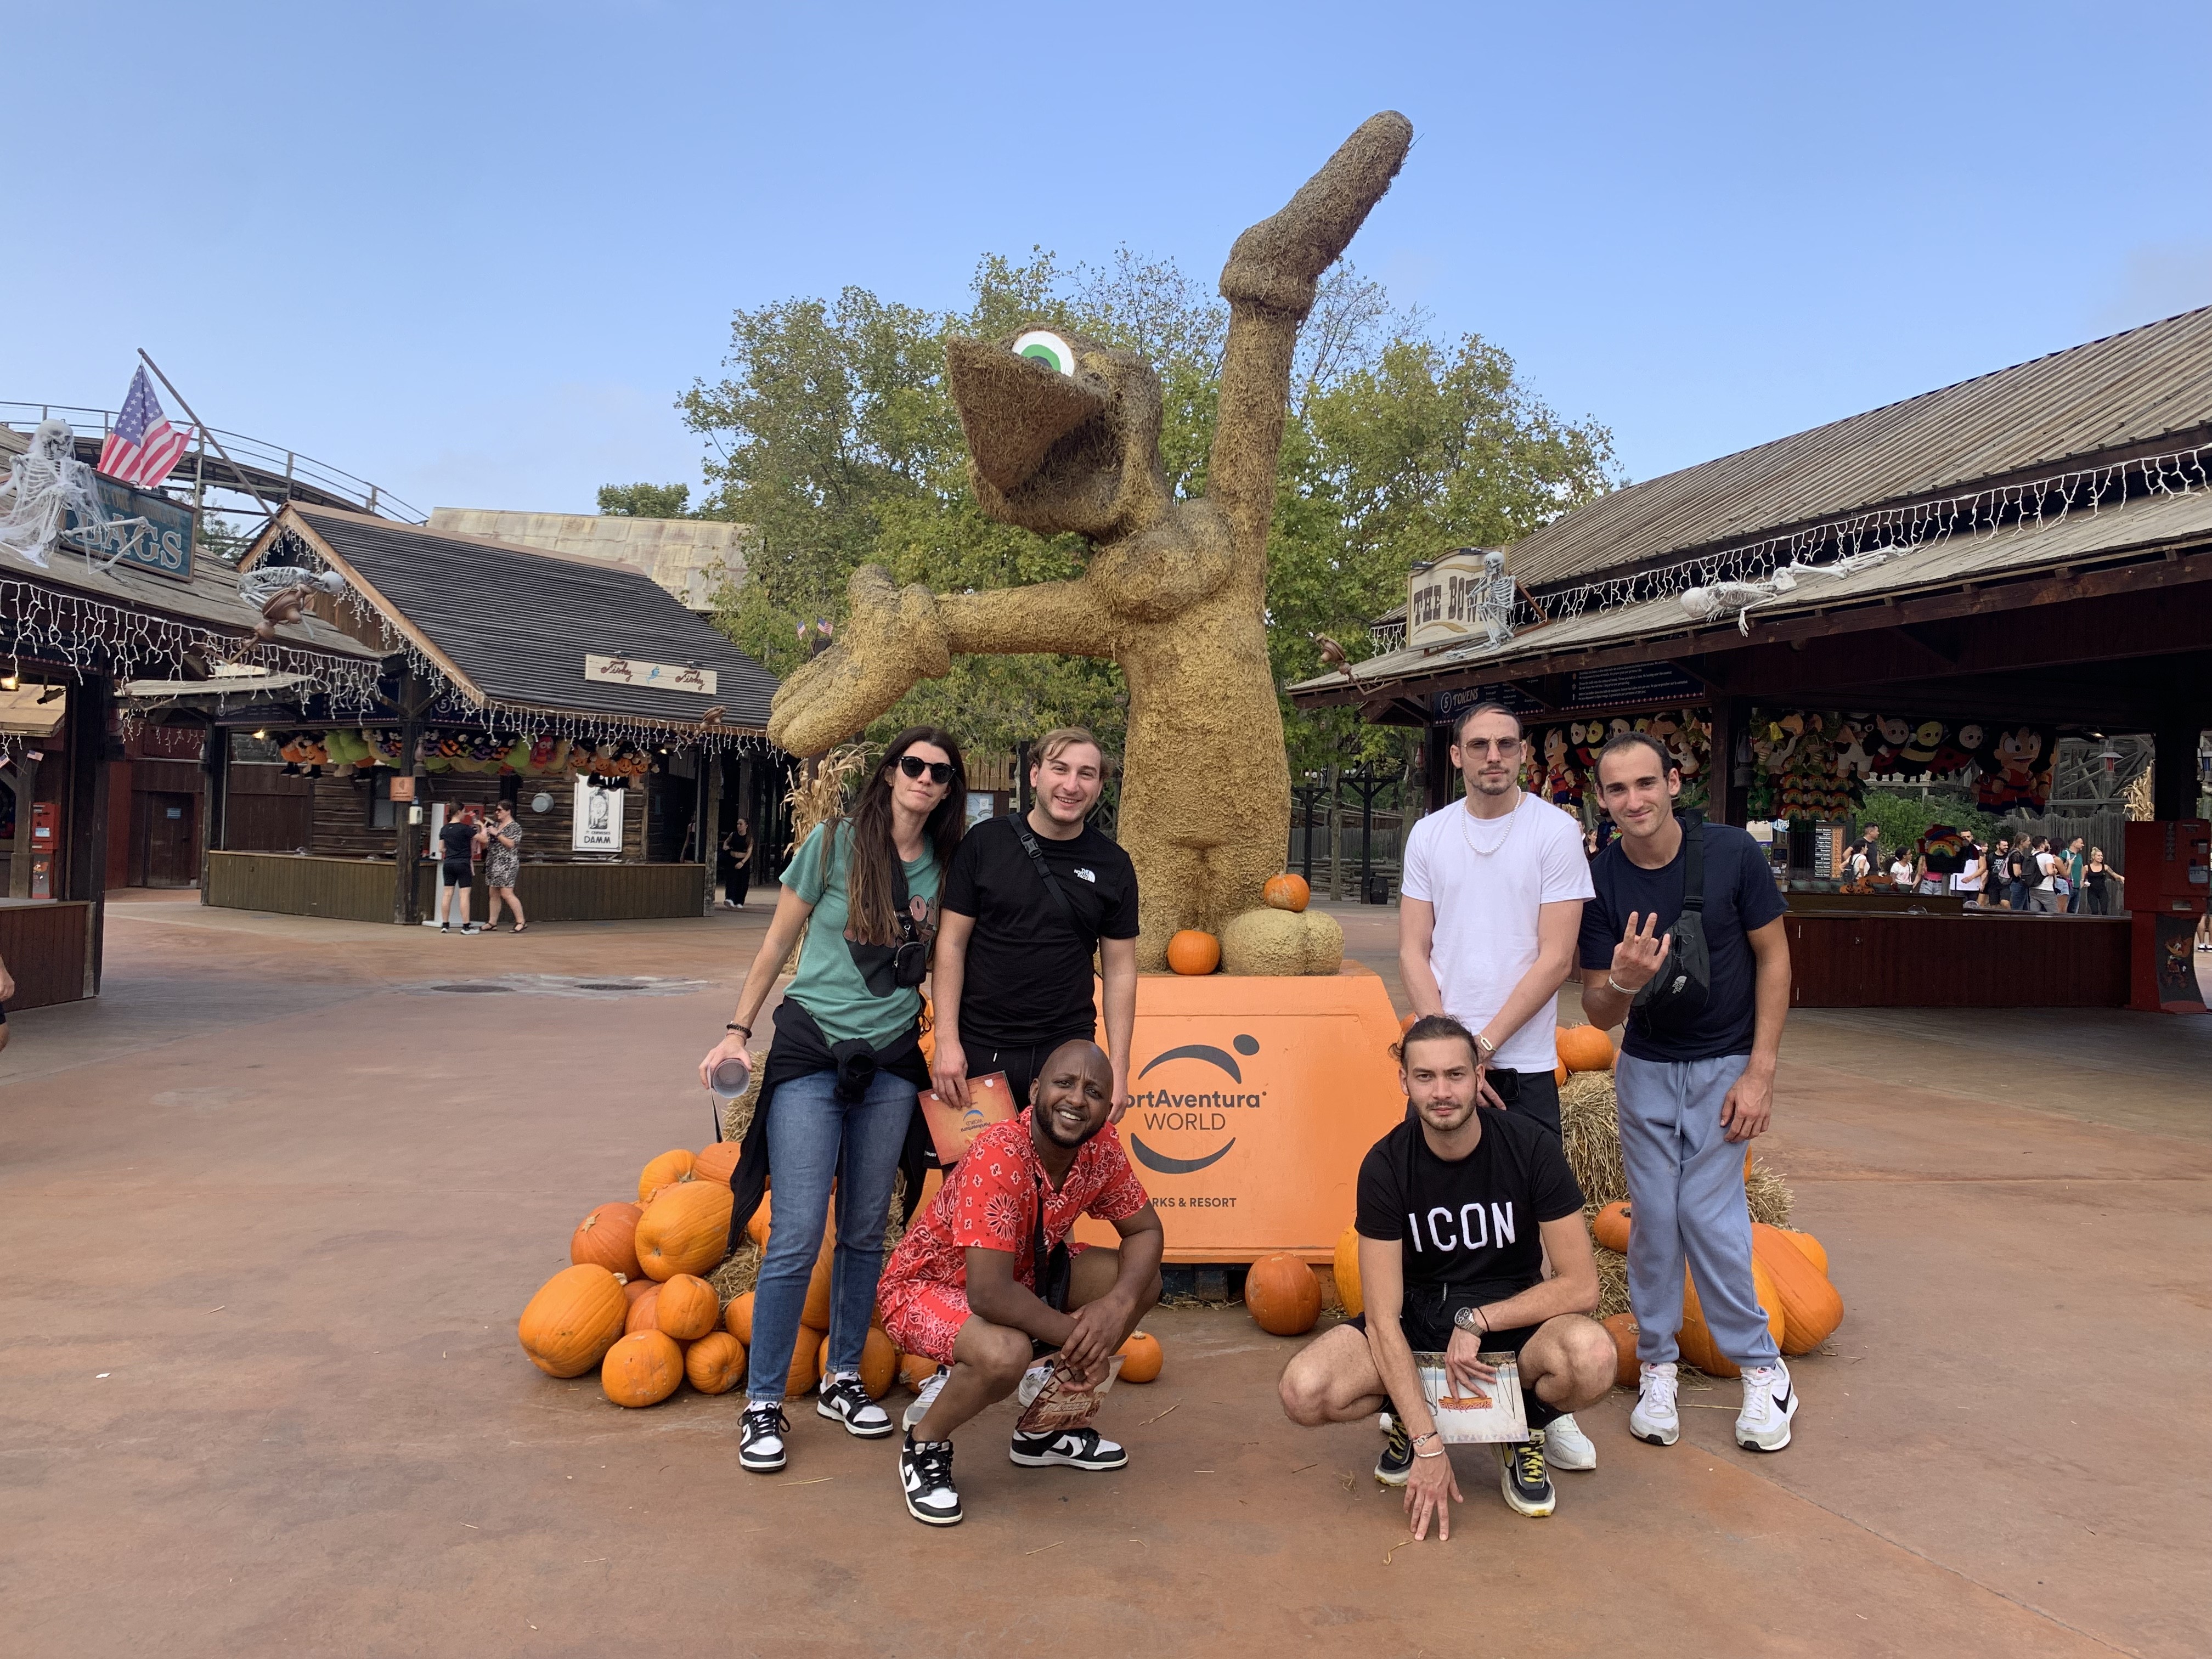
(1044, 872)
(1694, 868)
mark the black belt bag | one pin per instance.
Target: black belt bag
(1676, 996)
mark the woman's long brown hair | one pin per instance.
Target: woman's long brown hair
(873, 918)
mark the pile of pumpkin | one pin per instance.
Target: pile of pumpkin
(638, 1303)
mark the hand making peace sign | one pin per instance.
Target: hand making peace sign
(1637, 958)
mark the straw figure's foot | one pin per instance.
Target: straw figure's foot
(1282, 943)
(892, 639)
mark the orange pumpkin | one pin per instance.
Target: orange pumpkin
(685, 1230)
(756, 1229)
(716, 1162)
(637, 1287)
(1286, 893)
(1815, 1252)
(1747, 1160)
(1283, 1295)
(609, 1236)
(715, 1364)
(668, 1168)
(1627, 1370)
(643, 1369)
(916, 1369)
(1140, 1358)
(572, 1322)
(688, 1308)
(817, 1311)
(1584, 1049)
(878, 1364)
(1559, 1072)
(806, 1363)
(1609, 1226)
(1193, 952)
(644, 1312)
(1405, 1024)
(1810, 1307)
(738, 1318)
(1347, 1273)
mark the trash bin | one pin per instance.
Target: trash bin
(1378, 889)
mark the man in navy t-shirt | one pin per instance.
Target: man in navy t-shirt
(1695, 1078)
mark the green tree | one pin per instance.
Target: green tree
(646, 500)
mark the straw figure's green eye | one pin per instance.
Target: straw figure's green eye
(1048, 348)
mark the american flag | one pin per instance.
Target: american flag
(143, 446)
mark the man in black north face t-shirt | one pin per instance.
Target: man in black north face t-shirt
(1457, 1213)
(1011, 980)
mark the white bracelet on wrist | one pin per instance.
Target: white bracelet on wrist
(1617, 986)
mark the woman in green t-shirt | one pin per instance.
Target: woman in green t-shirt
(842, 1071)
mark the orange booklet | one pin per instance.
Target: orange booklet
(990, 1100)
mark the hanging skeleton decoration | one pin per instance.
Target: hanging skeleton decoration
(49, 493)
(1707, 603)
(280, 592)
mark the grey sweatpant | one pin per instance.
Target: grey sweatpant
(1685, 1195)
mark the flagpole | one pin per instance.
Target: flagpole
(207, 436)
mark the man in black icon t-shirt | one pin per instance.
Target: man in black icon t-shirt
(1011, 980)
(1456, 1213)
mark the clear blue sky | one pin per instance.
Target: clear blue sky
(473, 251)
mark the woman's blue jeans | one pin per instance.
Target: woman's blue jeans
(813, 1136)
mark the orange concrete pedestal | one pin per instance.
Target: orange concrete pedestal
(1252, 1102)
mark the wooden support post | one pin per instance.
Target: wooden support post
(708, 817)
(1440, 770)
(19, 861)
(2173, 781)
(84, 794)
(406, 834)
(1730, 800)
(215, 796)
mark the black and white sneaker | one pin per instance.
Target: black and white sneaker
(760, 1437)
(842, 1400)
(1079, 1448)
(1526, 1482)
(924, 1398)
(926, 1472)
(1396, 1463)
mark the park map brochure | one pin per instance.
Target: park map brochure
(1060, 1404)
(1483, 1413)
(990, 1100)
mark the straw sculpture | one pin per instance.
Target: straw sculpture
(1175, 591)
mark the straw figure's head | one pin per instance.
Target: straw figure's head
(1063, 433)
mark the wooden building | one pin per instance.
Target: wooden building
(556, 683)
(1953, 581)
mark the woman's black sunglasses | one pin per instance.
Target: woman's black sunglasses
(940, 772)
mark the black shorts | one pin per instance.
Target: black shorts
(1426, 1320)
(456, 871)
(1021, 1064)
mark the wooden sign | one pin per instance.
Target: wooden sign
(403, 788)
(661, 676)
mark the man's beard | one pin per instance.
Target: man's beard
(1046, 1124)
(1464, 1110)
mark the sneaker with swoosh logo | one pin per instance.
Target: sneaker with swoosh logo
(1769, 1403)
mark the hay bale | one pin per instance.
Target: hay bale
(1283, 942)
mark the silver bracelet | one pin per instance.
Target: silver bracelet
(1438, 1452)
(1617, 986)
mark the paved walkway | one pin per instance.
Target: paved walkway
(282, 1198)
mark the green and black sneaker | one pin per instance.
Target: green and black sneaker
(1397, 1460)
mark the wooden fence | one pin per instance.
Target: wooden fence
(360, 889)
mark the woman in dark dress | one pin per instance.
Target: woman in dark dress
(738, 861)
(2103, 883)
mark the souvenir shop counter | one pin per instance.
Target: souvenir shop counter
(46, 944)
(361, 889)
(1907, 950)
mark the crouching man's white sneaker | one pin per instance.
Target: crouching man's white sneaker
(925, 1398)
(1655, 1419)
(1769, 1403)
(1565, 1445)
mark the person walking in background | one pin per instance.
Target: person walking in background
(2103, 883)
(1900, 871)
(838, 1088)
(1967, 881)
(2047, 897)
(737, 865)
(2019, 866)
(2076, 861)
(502, 850)
(1695, 1079)
(457, 842)
(1492, 903)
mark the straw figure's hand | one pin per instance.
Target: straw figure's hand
(892, 639)
(1277, 262)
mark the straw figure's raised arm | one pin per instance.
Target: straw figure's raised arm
(1270, 282)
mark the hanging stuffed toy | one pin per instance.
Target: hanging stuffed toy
(1562, 783)
(2023, 776)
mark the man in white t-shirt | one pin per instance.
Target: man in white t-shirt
(1489, 914)
(1491, 905)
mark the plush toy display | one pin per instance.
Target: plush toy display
(1063, 437)
(2020, 775)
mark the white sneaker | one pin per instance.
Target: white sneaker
(1655, 1419)
(1032, 1383)
(1769, 1403)
(1565, 1445)
(922, 1402)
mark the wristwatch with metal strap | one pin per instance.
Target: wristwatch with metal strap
(1470, 1319)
